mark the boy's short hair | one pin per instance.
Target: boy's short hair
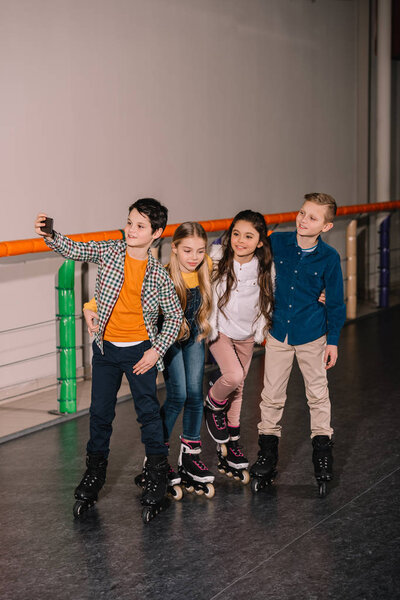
(153, 210)
(324, 200)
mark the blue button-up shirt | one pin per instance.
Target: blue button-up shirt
(300, 280)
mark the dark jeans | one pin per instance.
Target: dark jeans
(107, 372)
(184, 370)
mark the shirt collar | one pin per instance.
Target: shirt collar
(292, 241)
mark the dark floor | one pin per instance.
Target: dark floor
(283, 543)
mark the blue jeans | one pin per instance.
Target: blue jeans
(107, 372)
(183, 374)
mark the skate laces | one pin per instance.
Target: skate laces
(235, 448)
(200, 465)
(89, 479)
(219, 420)
(323, 462)
(151, 483)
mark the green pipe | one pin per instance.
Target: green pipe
(67, 342)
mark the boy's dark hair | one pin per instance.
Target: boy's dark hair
(153, 210)
(324, 200)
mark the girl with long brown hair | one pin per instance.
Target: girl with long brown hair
(241, 316)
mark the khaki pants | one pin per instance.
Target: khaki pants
(278, 366)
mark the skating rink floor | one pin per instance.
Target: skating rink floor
(283, 543)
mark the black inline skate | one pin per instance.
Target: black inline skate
(194, 474)
(154, 495)
(233, 463)
(174, 488)
(87, 491)
(215, 417)
(263, 472)
(323, 462)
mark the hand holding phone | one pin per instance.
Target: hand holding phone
(44, 225)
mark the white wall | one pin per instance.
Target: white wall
(211, 106)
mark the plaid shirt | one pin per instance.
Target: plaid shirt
(158, 291)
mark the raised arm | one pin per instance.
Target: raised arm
(82, 251)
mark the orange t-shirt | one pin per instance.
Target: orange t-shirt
(126, 323)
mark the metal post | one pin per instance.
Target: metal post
(351, 252)
(384, 253)
(67, 341)
(383, 99)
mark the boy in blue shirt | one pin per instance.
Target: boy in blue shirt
(305, 328)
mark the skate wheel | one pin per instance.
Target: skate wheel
(199, 492)
(176, 492)
(146, 514)
(245, 477)
(190, 489)
(223, 449)
(229, 474)
(210, 493)
(255, 486)
(322, 489)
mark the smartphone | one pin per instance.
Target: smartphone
(47, 226)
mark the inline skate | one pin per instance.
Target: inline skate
(173, 482)
(263, 472)
(194, 474)
(86, 493)
(323, 462)
(215, 417)
(154, 495)
(233, 463)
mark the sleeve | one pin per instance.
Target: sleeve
(83, 251)
(335, 307)
(91, 305)
(173, 316)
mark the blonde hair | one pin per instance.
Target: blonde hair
(324, 200)
(186, 230)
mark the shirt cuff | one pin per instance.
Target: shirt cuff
(332, 339)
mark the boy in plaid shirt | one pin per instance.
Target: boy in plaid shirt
(131, 287)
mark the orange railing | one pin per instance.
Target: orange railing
(15, 247)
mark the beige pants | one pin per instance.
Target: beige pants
(278, 366)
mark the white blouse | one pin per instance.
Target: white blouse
(243, 305)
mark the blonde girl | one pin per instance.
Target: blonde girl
(189, 269)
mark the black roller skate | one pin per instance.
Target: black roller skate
(234, 463)
(173, 482)
(323, 462)
(263, 472)
(215, 416)
(194, 474)
(154, 496)
(87, 492)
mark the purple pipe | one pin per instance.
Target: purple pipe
(384, 279)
